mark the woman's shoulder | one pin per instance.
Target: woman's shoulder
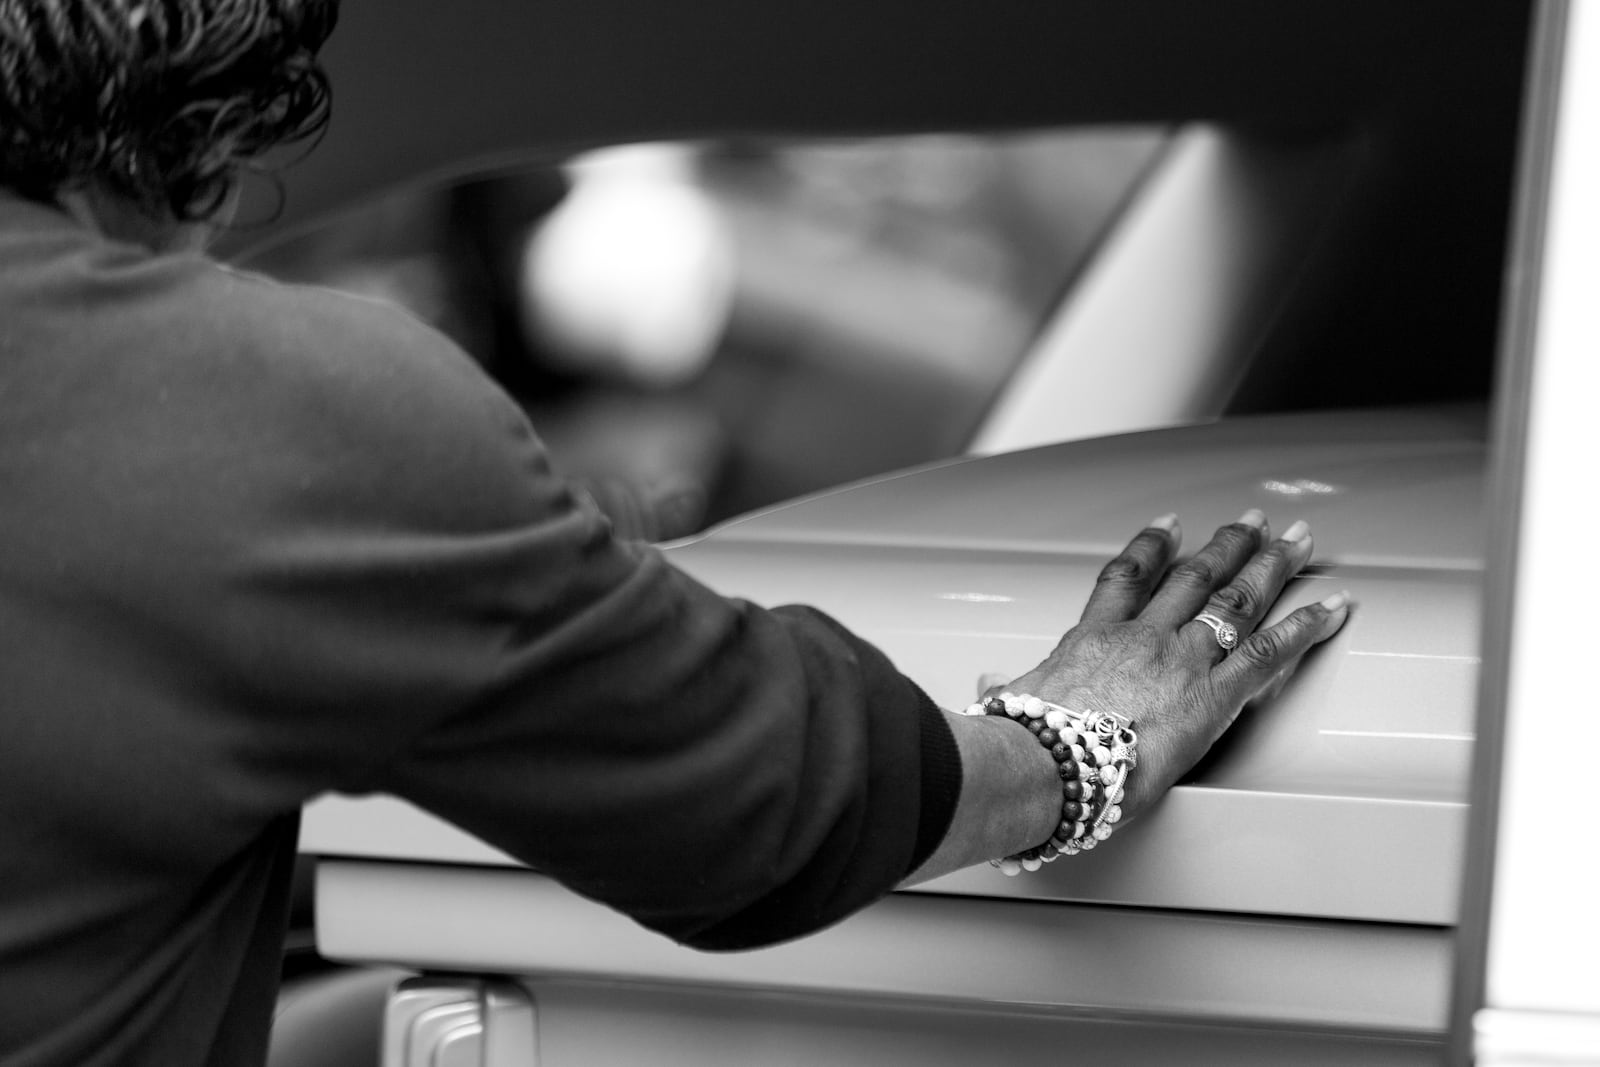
(203, 366)
(366, 377)
(317, 330)
(79, 294)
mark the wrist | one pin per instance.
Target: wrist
(1092, 753)
(1010, 796)
(1032, 786)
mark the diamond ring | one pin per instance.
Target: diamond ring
(1227, 633)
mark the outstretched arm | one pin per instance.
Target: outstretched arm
(1140, 653)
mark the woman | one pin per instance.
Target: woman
(262, 542)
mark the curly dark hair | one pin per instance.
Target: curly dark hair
(162, 101)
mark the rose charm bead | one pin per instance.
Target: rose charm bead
(1093, 751)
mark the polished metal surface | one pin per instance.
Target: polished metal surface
(1345, 798)
(617, 1024)
(1102, 962)
(1385, 488)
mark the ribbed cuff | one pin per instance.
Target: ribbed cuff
(941, 782)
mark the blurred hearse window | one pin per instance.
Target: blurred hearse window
(704, 329)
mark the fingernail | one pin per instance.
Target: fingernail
(1297, 533)
(1337, 601)
(1166, 522)
(1254, 517)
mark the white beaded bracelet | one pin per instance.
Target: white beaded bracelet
(1094, 752)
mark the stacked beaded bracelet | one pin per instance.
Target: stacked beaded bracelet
(1094, 751)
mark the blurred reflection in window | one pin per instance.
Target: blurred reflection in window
(698, 330)
(632, 275)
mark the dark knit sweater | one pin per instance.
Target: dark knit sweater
(260, 542)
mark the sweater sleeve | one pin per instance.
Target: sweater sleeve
(459, 627)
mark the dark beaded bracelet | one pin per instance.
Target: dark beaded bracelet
(1094, 752)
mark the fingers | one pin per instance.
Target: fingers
(1256, 665)
(1125, 584)
(1186, 589)
(1245, 601)
(990, 683)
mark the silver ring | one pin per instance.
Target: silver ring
(1227, 633)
